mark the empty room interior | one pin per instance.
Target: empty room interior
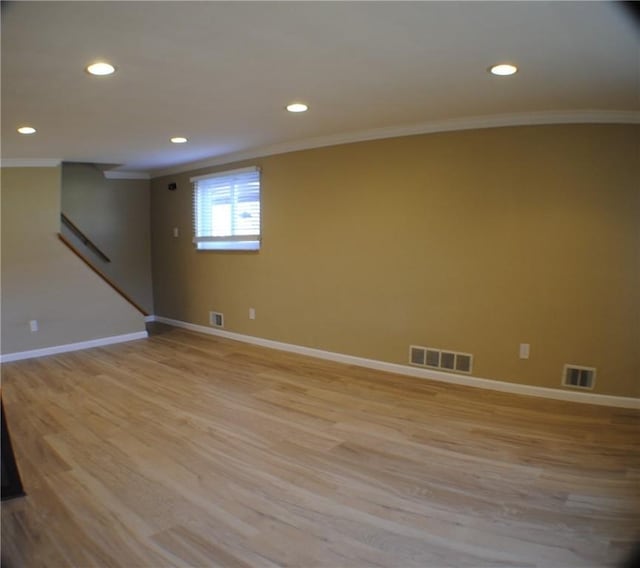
(320, 284)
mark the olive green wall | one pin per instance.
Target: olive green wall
(42, 280)
(114, 214)
(473, 241)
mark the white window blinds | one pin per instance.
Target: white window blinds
(226, 210)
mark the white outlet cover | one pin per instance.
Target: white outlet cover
(525, 349)
(252, 313)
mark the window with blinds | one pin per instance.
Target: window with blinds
(226, 210)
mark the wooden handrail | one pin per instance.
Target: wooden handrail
(103, 276)
(86, 241)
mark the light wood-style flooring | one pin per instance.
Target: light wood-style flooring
(187, 450)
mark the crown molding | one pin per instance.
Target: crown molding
(468, 123)
(115, 174)
(29, 163)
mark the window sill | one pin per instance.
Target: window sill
(229, 246)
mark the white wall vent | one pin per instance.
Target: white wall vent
(417, 355)
(463, 362)
(433, 358)
(438, 359)
(216, 319)
(447, 360)
(578, 376)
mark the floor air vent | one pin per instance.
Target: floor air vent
(438, 359)
(216, 319)
(433, 358)
(417, 355)
(579, 377)
(463, 362)
(447, 360)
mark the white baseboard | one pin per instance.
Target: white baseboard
(72, 347)
(453, 378)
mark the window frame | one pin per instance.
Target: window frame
(232, 241)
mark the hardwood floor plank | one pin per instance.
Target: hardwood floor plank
(188, 450)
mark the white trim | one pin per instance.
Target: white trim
(453, 378)
(29, 163)
(115, 174)
(468, 123)
(72, 346)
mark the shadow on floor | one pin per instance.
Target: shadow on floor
(157, 328)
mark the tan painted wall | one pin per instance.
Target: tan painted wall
(42, 279)
(472, 241)
(114, 214)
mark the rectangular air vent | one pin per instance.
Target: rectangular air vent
(438, 359)
(216, 319)
(578, 376)
(417, 355)
(433, 358)
(463, 362)
(448, 360)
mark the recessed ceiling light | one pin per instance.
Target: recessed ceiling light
(101, 68)
(503, 69)
(297, 107)
(26, 130)
(178, 140)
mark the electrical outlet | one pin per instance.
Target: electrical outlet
(525, 349)
(252, 313)
(176, 233)
(33, 326)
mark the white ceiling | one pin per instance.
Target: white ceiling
(221, 73)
